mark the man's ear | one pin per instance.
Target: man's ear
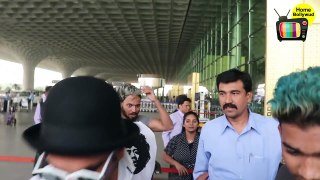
(249, 96)
(279, 128)
(121, 104)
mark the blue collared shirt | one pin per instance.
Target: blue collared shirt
(254, 154)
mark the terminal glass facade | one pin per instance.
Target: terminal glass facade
(233, 35)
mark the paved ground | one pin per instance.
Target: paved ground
(12, 145)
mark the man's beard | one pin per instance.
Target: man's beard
(126, 117)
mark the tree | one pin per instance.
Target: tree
(16, 87)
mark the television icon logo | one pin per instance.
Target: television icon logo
(291, 29)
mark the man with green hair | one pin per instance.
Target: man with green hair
(296, 104)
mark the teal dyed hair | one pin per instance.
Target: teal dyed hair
(296, 98)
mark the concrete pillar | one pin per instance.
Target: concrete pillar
(28, 76)
(66, 74)
(195, 87)
(176, 91)
(66, 70)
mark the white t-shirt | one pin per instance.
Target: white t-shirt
(142, 151)
(141, 156)
(148, 170)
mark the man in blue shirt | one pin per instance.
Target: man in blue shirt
(240, 144)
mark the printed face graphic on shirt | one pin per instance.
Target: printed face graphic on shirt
(133, 152)
(139, 153)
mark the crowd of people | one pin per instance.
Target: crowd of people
(18, 100)
(108, 138)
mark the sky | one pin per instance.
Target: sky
(12, 73)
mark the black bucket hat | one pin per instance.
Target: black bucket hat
(82, 116)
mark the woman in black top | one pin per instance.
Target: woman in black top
(181, 150)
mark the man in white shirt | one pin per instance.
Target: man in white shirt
(39, 110)
(145, 149)
(184, 106)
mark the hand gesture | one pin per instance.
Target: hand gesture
(149, 93)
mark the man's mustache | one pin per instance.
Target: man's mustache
(229, 105)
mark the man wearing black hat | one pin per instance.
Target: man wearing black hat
(82, 140)
(184, 106)
(144, 154)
